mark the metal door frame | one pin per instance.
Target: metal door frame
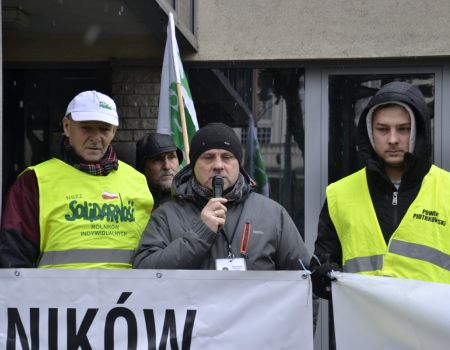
(317, 137)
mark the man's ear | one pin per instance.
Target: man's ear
(66, 126)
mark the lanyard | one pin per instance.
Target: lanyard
(229, 241)
(230, 250)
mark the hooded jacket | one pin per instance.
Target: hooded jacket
(380, 187)
(176, 237)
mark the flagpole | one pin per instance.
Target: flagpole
(183, 122)
(179, 90)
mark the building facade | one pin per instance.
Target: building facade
(303, 69)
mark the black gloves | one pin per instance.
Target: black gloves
(320, 268)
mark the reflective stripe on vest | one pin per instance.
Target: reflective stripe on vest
(421, 252)
(85, 220)
(418, 249)
(364, 264)
(86, 256)
(353, 216)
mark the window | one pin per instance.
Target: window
(264, 135)
(348, 95)
(275, 99)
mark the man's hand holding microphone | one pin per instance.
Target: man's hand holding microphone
(214, 212)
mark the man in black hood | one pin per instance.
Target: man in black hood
(389, 218)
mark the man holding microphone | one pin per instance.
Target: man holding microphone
(237, 230)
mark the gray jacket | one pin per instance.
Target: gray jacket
(176, 238)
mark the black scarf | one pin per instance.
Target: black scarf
(234, 194)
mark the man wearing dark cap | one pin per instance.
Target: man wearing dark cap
(159, 160)
(238, 230)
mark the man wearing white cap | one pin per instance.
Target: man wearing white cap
(83, 208)
(390, 218)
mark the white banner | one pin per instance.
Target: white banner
(390, 313)
(149, 309)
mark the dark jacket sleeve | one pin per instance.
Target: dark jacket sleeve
(185, 246)
(20, 232)
(292, 252)
(327, 243)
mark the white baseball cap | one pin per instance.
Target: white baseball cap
(93, 105)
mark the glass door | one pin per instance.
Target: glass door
(348, 94)
(334, 99)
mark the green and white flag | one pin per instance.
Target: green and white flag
(254, 164)
(169, 118)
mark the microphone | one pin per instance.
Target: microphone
(217, 186)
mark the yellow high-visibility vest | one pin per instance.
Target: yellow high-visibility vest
(420, 246)
(89, 221)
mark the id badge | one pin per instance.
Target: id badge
(236, 264)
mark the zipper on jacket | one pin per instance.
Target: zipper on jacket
(395, 208)
(394, 198)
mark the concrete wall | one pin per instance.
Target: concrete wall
(266, 30)
(321, 29)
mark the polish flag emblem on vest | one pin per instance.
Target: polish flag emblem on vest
(108, 195)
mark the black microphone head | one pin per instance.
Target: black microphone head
(217, 186)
